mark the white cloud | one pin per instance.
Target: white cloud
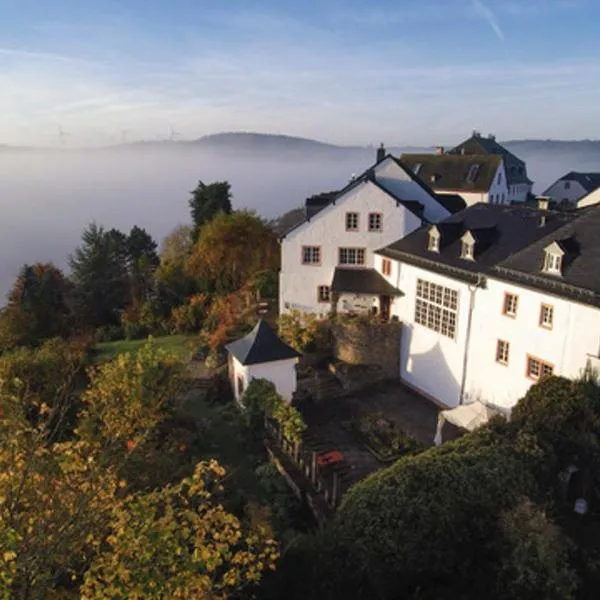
(486, 13)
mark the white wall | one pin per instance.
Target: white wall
(575, 333)
(430, 362)
(591, 198)
(357, 303)
(469, 197)
(395, 179)
(281, 373)
(298, 283)
(565, 190)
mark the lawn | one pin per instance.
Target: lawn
(180, 345)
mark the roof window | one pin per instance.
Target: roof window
(472, 174)
(553, 259)
(417, 168)
(433, 244)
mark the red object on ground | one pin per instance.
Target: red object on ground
(329, 458)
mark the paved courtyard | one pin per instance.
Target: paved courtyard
(325, 418)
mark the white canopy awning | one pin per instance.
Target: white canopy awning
(466, 416)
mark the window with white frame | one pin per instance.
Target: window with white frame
(553, 263)
(311, 255)
(323, 293)
(537, 368)
(436, 308)
(352, 221)
(502, 352)
(352, 256)
(546, 316)
(375, 221)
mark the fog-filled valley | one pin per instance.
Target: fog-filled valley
(47, 197)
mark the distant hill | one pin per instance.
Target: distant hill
(263, 142)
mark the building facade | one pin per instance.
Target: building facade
(328, 261)
(495, 298)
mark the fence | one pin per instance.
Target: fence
(324, 480)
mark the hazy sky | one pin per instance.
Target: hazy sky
(344, 71)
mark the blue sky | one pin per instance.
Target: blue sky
(344, 71)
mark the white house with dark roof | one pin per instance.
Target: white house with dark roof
(572, 187)
(328, 259)
(518, 183)
(262, 355)
(477, 178)
(494, 298)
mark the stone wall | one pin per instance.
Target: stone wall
(369, 343)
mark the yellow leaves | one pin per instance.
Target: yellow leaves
(9, 556)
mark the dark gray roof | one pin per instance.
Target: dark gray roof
(588, 181)
(451, 171)
(579, 238)
(516, 170)
(500, 231)
(318, 202)
(362, 281)
(261, 345)
(453, 203)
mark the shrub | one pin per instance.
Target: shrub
(261, 399)
(304, 332)
(430, 517)
(108, 333)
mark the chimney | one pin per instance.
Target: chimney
(543, 202)
(381, 152)
(492, 137)
(439, 150)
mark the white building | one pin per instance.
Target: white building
(328, 258)
(572, 187)
(494, 299)
(477, 178)
(262, 355)
(589, 200)
(518, 183)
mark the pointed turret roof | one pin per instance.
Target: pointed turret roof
(261, 345)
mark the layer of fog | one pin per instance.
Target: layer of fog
(48, 198)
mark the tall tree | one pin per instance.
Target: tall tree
(207, 201)
(99, 272)
(231, 249)
(37, 306)
(143, 260)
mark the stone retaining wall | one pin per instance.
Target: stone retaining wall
(369, 343)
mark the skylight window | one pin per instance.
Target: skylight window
(472, 174)
(417, 168)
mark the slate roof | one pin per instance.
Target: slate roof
(500, 231)
(362, 281)
(318, 202)
(451, 171)
(452, 202)
(516, 170)
(588, 181)
(580, 279)
(261, 345)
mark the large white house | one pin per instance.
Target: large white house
(572, 187)
(328, 259)
(494, 298)
(479, 170)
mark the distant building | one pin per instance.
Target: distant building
(262, 355)
(573, 186)
(478, 170)
(327, 260)
(518, 183)
(480, 178)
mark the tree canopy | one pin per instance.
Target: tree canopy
(207, 201)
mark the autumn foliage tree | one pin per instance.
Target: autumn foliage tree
(231, 249)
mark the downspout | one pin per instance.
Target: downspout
(473, 291)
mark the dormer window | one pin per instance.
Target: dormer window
(467, 246)
(553, 259)
(433, 245)
(553, 263)
(467, 251)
